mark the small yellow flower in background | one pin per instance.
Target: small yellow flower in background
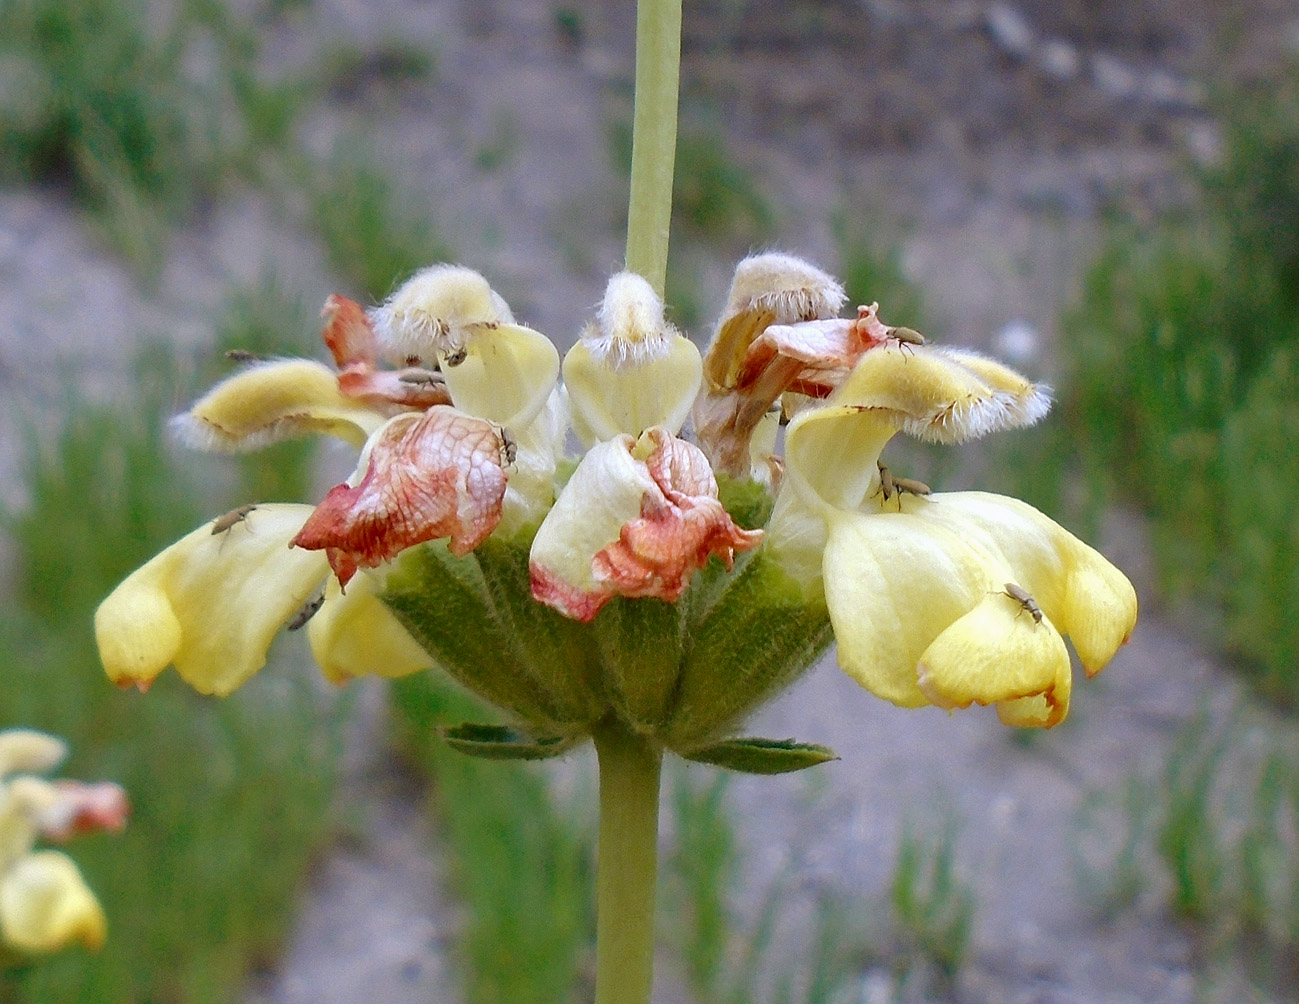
(674, 578)
(44, 902)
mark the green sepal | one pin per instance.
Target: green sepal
(641, 642)
(751, 755)
(443, 602)
(500, 742)
(556, 649)
(758, 636)
(746, 501)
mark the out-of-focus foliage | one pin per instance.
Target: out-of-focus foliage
(371, 234)
(141, 112)
(1182, 385)
(1214, 840)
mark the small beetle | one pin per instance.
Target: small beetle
(509, 448)
(886, 481)
(908, 336)
(307, 612)
(456, 356)
(223, 523)
(910, 486)
(419, 377)
(1022, 596)
(242, 356)
(891, 484)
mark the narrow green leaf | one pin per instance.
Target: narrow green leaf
(751, 755)
(500, 742)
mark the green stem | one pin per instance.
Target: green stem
(654, 138)
(627, 865)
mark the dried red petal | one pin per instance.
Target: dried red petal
(436, 475)
(348, 332)
(678, 530)
(572, 601)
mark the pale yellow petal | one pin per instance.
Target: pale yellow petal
(1034, 712)
(275, 400)
(996, 652)
(608, 402)
(355, 634)
(1100, 608)
(506, 375)
(432, 312)
(27, 751)
(830, 454)
(1089, 599)
(211, 603)
(941, 395)
(530, 490)
(45, 904)
(892, 586)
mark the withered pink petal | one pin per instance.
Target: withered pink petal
(435, 475)
(351, 338)
(348, 333)
(679, 528)
(678, 466)
(826, 350)
(84, 808)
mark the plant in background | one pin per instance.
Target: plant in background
(1213, 839)
(1182, 384)
(652, 591)
(933, 910)
(45, 904)
(263, 765)
(141, 116)
(371, 234)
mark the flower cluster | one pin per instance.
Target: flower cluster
(562, 547)
(44, 902)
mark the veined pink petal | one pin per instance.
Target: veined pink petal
(439, 474)
(351, 339)
(823, 350)
(680, 526)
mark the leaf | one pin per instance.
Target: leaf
(500, 742)
(751, 755)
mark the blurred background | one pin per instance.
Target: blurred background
(1104, 194)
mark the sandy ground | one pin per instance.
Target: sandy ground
(987, 139)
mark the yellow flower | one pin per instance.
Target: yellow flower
(946, 599)
(675, 583)
(45, 904)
